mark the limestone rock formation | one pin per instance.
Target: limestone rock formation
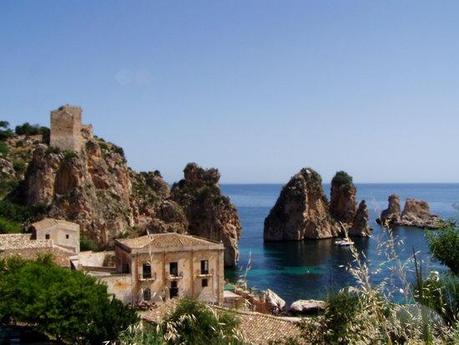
(96, 189)
(301, 211)
(360, 222)
(210, 214)
(417, 213)
(391, 216)
(274, 301)
(307, 307)
(343, 205)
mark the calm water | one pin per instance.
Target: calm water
(311, 269)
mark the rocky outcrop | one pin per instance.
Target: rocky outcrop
(416, 213)
(391, 216)
(301, 211)
(274, 302)
(210, 214)
(96, 189)
(360, 224)
(343, 206)
(307, 307)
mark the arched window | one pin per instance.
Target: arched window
(147, 294)
(146, 270)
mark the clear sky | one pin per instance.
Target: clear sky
(257, 89)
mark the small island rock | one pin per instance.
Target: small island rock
(301, 211)
(391, 216)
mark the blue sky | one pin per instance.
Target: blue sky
(257, 89)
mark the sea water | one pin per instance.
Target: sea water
(315, 268)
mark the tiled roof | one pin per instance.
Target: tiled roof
(256, 328)
(50, 222)
(166, 241)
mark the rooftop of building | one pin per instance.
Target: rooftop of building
(168, 241)
(47, 223)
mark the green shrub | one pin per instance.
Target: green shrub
(19, 166)
(69, 305)
(28, 129)
(20, 213)
(69, 155)
(3, 148)
(342, 178)
(88, 244)
(194, 323)
(444, 245)
(8, 226)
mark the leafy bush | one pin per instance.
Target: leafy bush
(342, 178)
(20, 213)
(88, 244)
(8, 226)
(69, 155)
(28, 129)
(19, 166)
(194, 323)
(3, 149)
(444, 245)
(68, 305)
(5, 131)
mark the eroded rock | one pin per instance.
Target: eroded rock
(307, 307)
(301, 211)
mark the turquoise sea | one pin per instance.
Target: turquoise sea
(312, 269)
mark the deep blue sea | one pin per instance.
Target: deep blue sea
(314, 268)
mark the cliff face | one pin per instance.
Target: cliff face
(301, 211)
(96, 189)
(210, 214)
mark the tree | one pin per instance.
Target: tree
(68, 305)
(5, 131)
(444, 245)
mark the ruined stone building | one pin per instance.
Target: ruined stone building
(57, 237)
(67, 130)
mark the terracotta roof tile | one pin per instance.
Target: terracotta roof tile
(165, 241)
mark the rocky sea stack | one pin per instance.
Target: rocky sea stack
(416, 213)
(210, 214)
(344, 208)
(302, 210)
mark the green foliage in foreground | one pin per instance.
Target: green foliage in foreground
(194, 323)
(444, 245)
(67, 305)
(191, 323)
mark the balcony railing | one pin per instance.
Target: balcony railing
(151, 277)
(175, 277)
(206, 274)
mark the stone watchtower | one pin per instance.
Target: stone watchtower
(66, 128)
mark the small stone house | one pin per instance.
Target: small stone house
(169, 265)
(62, 233)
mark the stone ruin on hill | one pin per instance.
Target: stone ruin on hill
(67, 131)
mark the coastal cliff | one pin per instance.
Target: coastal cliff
(210, 214)
(301, 211)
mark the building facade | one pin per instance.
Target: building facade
(170, 265)
(62, 233)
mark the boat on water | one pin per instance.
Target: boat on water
(344, 242)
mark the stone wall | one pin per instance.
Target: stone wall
(119, 285)
(66, 128)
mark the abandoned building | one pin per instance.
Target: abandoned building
(168, 265)
(57, 237)
(67, 130)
